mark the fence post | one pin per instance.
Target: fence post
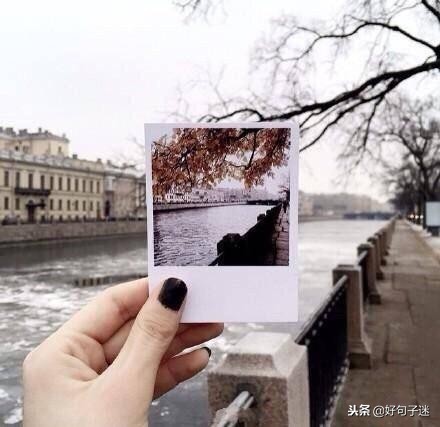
(375, 241)
(383, 246)
(374, 296)
(388, 234)
(274, 369)
(359, 344)
(231, 247)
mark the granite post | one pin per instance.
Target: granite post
(274, 369)
(374, 296)
(375, 241)
(359, 344)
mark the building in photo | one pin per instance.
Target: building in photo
(40, 181)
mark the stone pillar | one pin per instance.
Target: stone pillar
(374, 296)
(375, 241)
(379, 236)
(359, 344)
(274, 369)
(231, 248)
(386, 233)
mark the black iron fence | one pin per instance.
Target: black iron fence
(325, 336)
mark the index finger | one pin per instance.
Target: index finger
(111, 309)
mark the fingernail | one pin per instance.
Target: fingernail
(208, 351)
(173, 293)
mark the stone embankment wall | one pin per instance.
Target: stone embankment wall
(10, 234)
(178, 206)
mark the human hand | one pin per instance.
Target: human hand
(105, 365)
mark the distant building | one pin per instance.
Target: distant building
(39, 181)
(338, 204)
(305, 204)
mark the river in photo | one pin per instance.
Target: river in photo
(37, 296)
(190, 236)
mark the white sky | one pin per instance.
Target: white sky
(97, 70)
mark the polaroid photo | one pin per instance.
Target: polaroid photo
(222, 215)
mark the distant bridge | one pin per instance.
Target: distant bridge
(268, 202)
(369, 215)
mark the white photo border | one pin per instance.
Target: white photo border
(232, 293)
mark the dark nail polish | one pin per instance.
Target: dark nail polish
(208, 350)
(173, 293)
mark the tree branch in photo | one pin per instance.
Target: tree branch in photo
(203, 157)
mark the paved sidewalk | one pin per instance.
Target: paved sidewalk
(406, 339)
(281, 236)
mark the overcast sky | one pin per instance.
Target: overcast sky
(97, 70)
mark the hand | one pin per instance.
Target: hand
(109, 361)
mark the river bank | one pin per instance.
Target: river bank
(45, 232)
(19, 234)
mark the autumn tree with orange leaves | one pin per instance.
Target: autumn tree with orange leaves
(203, 157)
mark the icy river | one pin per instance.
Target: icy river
(36, 296)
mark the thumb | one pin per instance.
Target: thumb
(153, 330)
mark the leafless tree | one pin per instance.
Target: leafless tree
(410, 130)
(404, 182)
(397, 41)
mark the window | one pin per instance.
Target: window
(31, 180)
(17, 179)
(84, 185)
(98, 187)
(98, 207)
(91, 186)
(68, 205)
(76, 185)
(6, 203)
(60, 205)
(60, 183)
(51, 183)
(91, 206)
(6, 178)
(51, 204)
(68, 184)
(84, 206)
(42, 182)
(60, 150)
(17, 204)
(76, 204)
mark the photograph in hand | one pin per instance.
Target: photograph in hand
(222, 214)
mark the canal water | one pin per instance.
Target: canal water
(189, 237)
(36, 296)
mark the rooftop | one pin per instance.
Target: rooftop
(11, 133)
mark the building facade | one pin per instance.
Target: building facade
(214, 195)
(41, 182)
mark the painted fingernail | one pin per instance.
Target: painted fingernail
(208, 350)
(173, 293)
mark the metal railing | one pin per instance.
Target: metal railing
(325, 336)
(236, 414)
